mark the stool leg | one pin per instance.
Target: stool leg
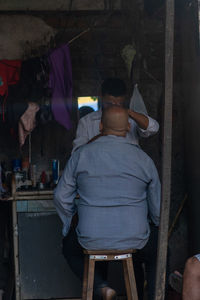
(90, 281)
(129, 277)
(126, 279)
(85, 278)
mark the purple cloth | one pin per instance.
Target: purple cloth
(60, 82)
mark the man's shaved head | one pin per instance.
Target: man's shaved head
(115, 121)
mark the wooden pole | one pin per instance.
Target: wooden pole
(15, 242)
(166, 153)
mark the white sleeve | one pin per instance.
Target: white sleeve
(152, 128)
(65, 193)
(81, 134)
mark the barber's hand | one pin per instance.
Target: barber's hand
(139, 118)
(131, 113)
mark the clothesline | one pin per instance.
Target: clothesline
(9, 65)
(79, 35)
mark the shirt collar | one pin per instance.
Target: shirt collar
(97, 115)
(120, 139)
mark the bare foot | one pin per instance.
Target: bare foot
(108, 293)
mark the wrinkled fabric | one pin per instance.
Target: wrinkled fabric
(9, 75)
(27, 122)
(31, 87)
(128, 53)
(60, 82)
(197, 256)
(118, 187)
(137, 102)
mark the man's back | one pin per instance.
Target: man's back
(114, 179)
(119, 187)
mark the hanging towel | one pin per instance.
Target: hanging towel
(9, 74)
(60, 82)
(137, 102)
(27, 122)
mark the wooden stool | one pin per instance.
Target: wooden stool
(91, 256)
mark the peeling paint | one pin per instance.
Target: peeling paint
(22, 36)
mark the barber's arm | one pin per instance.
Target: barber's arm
(65, 193)
(141, 120)
(147, 126)
(154, 194)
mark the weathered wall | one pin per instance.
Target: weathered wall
(186, 147)
(191, 94)
(22, 35)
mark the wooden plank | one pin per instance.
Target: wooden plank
(166, 151)
(38, 192)
(59, 5)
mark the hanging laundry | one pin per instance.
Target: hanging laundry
(60, 82)
(128, 53)
(137, 102)
(34, 80)
(27, 122)
(33, 85)
(9, 74)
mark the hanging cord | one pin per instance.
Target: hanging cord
(79, 35)
(29, 148)
(8, 65)
(177, 216)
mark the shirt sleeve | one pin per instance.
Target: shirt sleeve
(152, 128)
(154, 195)
(65, 193)
(81, 135)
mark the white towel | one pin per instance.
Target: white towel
(137, 102)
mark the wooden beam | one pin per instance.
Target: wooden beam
(59, 5)
(166, 153)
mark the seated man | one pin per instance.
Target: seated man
(113, 92)
(191, 279)
(119, 189)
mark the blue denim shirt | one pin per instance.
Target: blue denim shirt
(119, 188)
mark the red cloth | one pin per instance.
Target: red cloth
(9, 74)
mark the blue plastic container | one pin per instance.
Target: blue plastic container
(16, 165)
